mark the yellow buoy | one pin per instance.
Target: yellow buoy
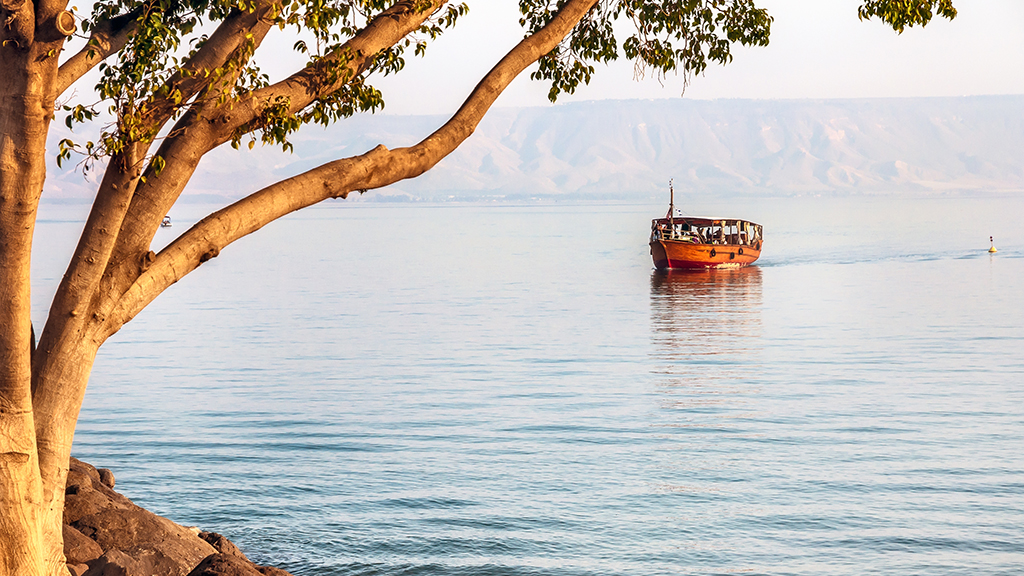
(992, 248)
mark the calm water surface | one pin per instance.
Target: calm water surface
(511, 390)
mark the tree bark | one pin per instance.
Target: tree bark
(55, 431)
(26, 108)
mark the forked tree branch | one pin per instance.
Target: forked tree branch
(82, 297)
(73, 300)
(154, 194)
(203, 128)
(122, 224)
(378, 167)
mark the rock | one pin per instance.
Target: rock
(226, 547)
(76, 479)
(84, 502)
(222, 544)
(113, 563)
(79, 548)
(136, 563)
(78, 466)
(166, 548)
(106, 477)
(85, 494)
(225, 565)
(105, 534)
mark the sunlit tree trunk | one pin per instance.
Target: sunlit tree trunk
(59, 380)
(25, 112)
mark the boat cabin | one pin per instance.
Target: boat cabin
(707, 231)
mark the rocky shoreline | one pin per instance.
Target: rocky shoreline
(106, 534)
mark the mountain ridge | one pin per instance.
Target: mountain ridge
(630, 148)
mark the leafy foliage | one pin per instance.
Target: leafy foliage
(147, 83)
(903, 14)
(147, 74)
(668, 36)
(328, 60)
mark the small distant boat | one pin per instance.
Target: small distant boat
(166, 223)
(684, 242)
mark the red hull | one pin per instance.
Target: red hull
(669, 254)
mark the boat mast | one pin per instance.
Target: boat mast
(671, 201)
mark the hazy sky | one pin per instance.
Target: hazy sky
(819, 49)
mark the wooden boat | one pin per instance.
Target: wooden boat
(684, 242)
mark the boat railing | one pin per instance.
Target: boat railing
(667, 233)
(714, 236)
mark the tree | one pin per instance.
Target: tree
(179, 78)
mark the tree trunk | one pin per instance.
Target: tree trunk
(24, 115)
(28, 69)
(59, 382)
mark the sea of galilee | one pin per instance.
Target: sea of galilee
(511, 389)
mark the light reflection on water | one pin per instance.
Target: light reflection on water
(706, 339)
(706, 346)
(695, 314)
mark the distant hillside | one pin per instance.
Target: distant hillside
(630, 148)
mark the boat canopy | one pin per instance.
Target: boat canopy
(695, 221)
(729, 231)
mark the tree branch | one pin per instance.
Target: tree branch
(70, 338)
(194, 135)
(73, 302)
(106, 39)
(307, 85)
(193, 77)
(378, 167)
(80, 302)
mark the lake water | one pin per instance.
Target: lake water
(511, 390)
